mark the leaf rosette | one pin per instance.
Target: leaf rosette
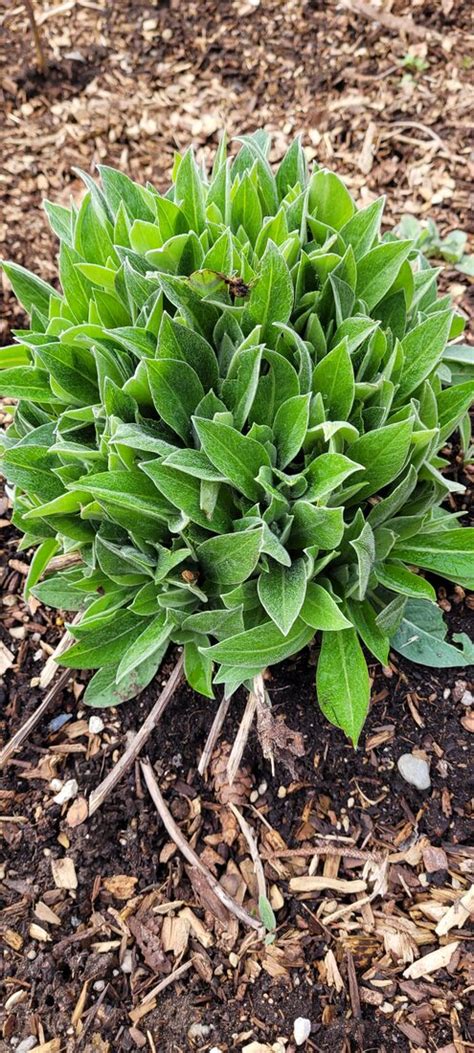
(232, 415)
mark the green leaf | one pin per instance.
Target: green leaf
(237, 456)
(32, 292)
(313, 525)
(363, 619)
(449, 554)
(25, 382)
(264, 645)
(321, 611)
(452, 405)
(326, 473)
(282, 591)
(230, 558)
(363, 227)
(289, 428)
(422, 351)
(333, 377)
(329, 200)
(364, 546)
(103, 691)
(198, 669)
(378, 269)
(266, 914)
(398, 578)
(422, 638)
(189, 192)
(383, 454)
(342, 682)
(128, 490)
(271, 297)
(184, 492)
(145, 645)
(43, 555)
(104, 646)
(176, 391)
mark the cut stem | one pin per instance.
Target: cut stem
(102, 791)
(192, 857)
(40, 54)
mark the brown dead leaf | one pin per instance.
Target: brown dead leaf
(206, 896)
(147, 932)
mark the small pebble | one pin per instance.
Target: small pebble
(199, 1032)
(126, 963)
(301, 1029)
(67, 793)
(26, 1044)
(414, 770)
(281, 792)
(99, 985)
(96, 725)
(62, 718)
(467, 699)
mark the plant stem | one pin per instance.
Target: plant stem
(40, 54)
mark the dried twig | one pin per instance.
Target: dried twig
(244, 728)
(102, 791)
(250, 839)
(189, 853)
(405, 25)
(51, 666)
(323, 850)
(40, 55)
(213, 736)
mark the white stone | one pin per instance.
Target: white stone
(99, 985)
(26, 1044)
(96, 725)
(301, 1029)
(414, 770)
(67, 793)
(126, 963)
(199, 1032)
(467, 699)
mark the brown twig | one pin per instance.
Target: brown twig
(240, 741)
(213, 736)
(102, 791)
(323, 850)
(40, 54)
(404, 26)
(192, 857)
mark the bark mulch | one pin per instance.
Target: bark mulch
(369, 879)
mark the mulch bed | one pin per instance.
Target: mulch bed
(95, 915)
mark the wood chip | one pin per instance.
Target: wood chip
(121, 886)
(458, 914)
(64, 873)
(318, 883)
(438, 959)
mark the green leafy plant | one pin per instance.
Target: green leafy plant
(230, 416)
(429, 241)
(414, 63)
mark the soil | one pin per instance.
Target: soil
(127, 84)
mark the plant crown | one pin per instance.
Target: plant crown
(231, 415)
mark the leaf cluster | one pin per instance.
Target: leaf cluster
(233, 412)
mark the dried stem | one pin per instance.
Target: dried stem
(102, 791)
(240, 741)
(40, 54)
(213, 736)
(189, 853)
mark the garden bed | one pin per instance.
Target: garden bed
(79, 963)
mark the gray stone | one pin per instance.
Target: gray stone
(26, 1044)
(414, 770)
